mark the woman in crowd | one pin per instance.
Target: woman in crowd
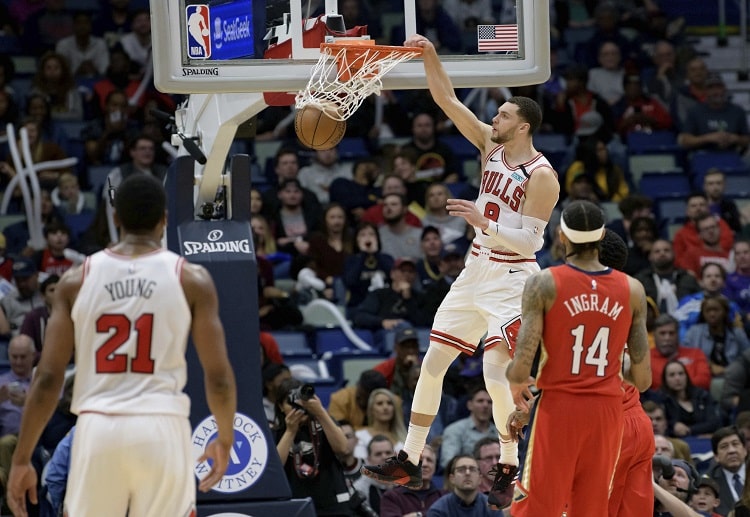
(691, 411)
(54, 80)
(382, 418)
(715, 334)
(307, 441)
(593, 160)
(367, 268)
(332, 244)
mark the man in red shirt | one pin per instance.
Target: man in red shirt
(666, 332)
(710, 248)
(687, 237)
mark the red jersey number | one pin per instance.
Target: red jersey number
(596, 353)
(491, 212)
(107, 361)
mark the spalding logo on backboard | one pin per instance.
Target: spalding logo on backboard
(247, 459)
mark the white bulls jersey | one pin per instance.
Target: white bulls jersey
(132, 322)
(502, 192)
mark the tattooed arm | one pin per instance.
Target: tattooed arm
(539, 288)
(640, 355)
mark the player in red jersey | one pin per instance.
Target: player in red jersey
(582, 313)
(632, 493)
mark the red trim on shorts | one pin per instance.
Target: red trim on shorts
(500, 256)
(493, 341)
(451, 341)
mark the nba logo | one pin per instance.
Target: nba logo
(198, 24)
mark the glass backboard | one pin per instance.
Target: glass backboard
(220, 46)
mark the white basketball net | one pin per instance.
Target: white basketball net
(342, 80)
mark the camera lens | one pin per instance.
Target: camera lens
(306, 391)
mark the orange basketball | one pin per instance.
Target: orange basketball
(317, 130)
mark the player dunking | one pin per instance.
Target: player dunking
(518, 192)
(127, 312)
(583, 313)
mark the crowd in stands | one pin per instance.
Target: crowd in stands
(369, 232)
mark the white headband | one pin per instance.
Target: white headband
(581, 237)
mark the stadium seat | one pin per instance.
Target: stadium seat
(737, 184)
(640, 164)
(97, 177)
(352, 149)
(336, 340)
(348, 366)
(309, 369)
(671, 209)
(701, 161)
(655, 142)
(611, 210)
(660, 185)
(292, 343)
(461, 147)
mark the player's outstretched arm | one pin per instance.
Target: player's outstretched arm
(539, 287)
(640, 356)
(210, 344)
(441, 88)
(44, 391)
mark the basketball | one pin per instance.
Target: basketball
(317, 130)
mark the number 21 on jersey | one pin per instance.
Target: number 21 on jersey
(107, 361)
(596, 352)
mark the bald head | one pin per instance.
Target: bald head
(21, 353)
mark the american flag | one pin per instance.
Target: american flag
(497, 37)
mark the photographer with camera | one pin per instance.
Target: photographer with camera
(308, 440)
(675, 482)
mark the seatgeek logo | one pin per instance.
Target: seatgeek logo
(247, 459)
(215, 244)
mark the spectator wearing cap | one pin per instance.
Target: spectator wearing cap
(398, 238)
(459, 437)
(715, 123)
(450, 265)
(35, 322)
(405, 355)
(286, 166)
(706, 500)
(16, 305)
(428, 268)
(729, 470)
(292, 222)
(386, 308)
(350, 402)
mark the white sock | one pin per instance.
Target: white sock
(508, 452)
(415, 440)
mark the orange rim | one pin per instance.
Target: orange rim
(356, 48)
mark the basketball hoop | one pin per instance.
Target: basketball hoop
(347, 72)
